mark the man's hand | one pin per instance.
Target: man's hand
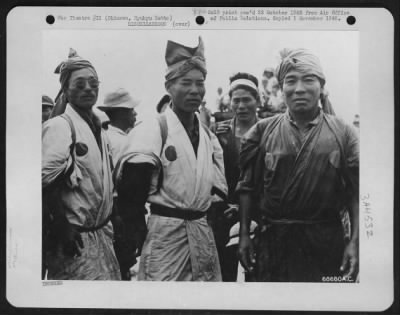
(125, 253)
(232, 212)
(246, 253)
(140, 237)
(222, 127)
(68, 236)
(349, 265)
(73, 243)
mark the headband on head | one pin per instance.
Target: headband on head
(303, 61)
(181, 59)
(245, 82)
(299, 60)
(73, 63)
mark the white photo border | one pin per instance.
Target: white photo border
(24, 287)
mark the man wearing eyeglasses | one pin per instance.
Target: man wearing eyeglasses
(77, 182)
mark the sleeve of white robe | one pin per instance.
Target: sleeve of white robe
(144, 143)
(56, 142)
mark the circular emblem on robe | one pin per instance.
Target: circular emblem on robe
(170, 153)
(81, 149)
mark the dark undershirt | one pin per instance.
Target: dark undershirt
(194, 135)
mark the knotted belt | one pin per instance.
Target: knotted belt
(189, 215)
(82, 229)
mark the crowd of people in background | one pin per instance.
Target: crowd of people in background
(266, 180)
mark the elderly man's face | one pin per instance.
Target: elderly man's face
(301, 91)
(83, 88)
(187, 91)
(131, 117)
(123, 117)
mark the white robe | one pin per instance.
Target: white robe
(87, 199)
(117, 139)
(177, 249)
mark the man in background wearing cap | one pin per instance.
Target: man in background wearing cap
(300, 169)
(47, 107)
(76, 177)
(179, 244)
(119, 106)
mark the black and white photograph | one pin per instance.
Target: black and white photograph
(303, 203)
(227, 155)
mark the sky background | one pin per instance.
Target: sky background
(135, 60)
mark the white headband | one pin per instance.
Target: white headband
(245, 82)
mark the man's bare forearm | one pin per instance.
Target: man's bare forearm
(245, 213)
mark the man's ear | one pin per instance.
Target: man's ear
(65, 95)
(167, 85)
(323, 92)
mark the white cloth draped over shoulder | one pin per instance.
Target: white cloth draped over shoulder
(177, 249)
(87, 198)
(117, 139)
(187, 181)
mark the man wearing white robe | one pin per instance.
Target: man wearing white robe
(119, 106)
(82, 234)
(179, 244)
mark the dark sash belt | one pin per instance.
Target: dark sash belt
(82, 229)
(176, 213)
